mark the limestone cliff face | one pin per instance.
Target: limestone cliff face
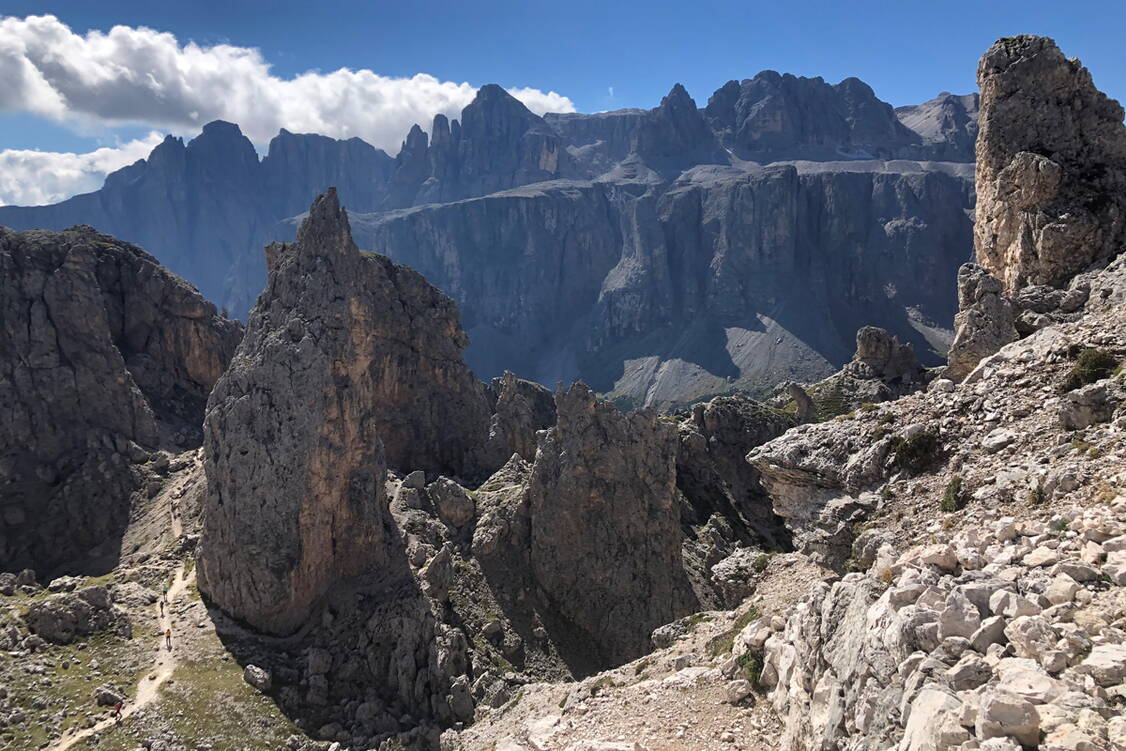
(662, 295)
(351, 364)
(604, 528)
(1051, 166)
(104, 356)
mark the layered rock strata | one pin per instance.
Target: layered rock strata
(104, 357)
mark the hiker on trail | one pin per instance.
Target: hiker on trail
(117, 712)
(168, 639)
(164, 591)
(162, 608)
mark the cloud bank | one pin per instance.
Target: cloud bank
(32, 178)
(138, 76)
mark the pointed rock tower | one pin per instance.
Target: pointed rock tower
(350, 364)
(1051, 166)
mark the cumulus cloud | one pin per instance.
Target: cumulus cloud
(135, 75)
(32, 178)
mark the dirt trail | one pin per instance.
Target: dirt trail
(162, 668)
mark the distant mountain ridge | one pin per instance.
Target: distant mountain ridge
(206, 208)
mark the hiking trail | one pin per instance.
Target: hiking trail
(160, 671)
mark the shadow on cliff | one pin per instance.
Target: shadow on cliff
(701, 341)
(373, 636)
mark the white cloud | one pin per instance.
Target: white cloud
(135, 75)
(32, 178)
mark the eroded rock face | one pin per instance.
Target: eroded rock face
(351, 364)
(986, 321)
(104, 356)
(604, 527)
(713, 473)
(880, 355)
(522, 409)
(1051, 166)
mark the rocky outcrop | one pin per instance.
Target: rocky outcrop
(520, 410)
(1051, 166)
(879, 355)
(604, 529)
(350, 364)
(714, 476)
(104, 357)
(986, 321)
(62, 618)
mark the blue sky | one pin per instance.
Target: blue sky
(599, 55)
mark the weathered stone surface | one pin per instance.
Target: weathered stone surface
(712, 471)
(1051, 166)
(350, 364)
(101, 349)
(604, 529)
(881, 356)
(985, 321)
(62, 618)
(521, 409)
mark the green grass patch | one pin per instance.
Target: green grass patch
(917, 453)
(952, 497)
(722, 644)
(209, 703)
(1091, 365)
(71, 689)
(750, 664)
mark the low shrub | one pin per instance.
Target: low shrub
(952, 499)
(917, 453)
(1091, 365)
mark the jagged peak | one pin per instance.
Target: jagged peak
(326, 227)
(492, 99)
(678, 97)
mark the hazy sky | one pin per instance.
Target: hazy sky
(105, 95)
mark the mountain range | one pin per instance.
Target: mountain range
(661, 255)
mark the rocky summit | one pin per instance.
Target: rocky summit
(654, 254)
(326, 534)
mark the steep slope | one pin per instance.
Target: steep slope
(104, 357)
(664, 294)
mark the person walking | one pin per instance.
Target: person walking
(168, 639)
(117, 712)
(162, 607)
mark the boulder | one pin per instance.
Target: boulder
(1002, 714)
(62, 618)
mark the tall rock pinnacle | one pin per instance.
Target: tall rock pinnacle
(1051, 166)
(350, 364)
